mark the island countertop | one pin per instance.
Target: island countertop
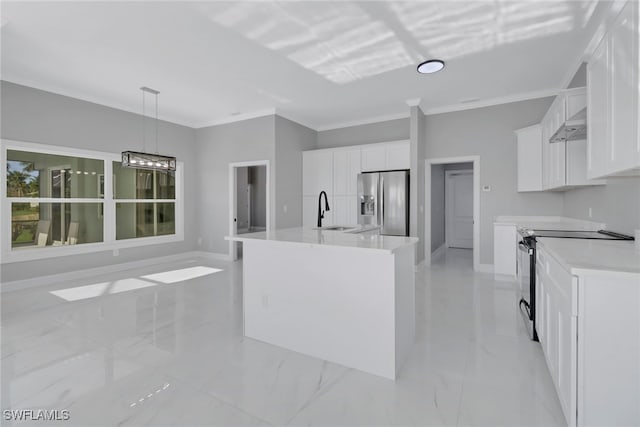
(367, 240)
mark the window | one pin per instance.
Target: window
(59, 201)
(136, 214)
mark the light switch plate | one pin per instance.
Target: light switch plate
(486, 188)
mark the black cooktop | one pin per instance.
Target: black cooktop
(579, 234)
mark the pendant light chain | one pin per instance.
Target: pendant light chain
(144, 123)
(156, 123)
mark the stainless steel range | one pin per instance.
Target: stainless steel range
(527, 265)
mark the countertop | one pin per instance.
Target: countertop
(309, 236)
(584, 256)
(548, 223)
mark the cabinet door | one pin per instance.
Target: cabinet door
(624, 152)
(345, 212)
(346, 167)
(530, 159)
(546, 168)
(558, 162)
(374, 158)
(398, 156)
(317, 172)
(598, 111)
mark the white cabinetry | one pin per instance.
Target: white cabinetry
(614, 89)
(505, 249)
(386, 156)
(336, 172)
(564, 163)
(529, 158)
(588, 324)
(317, 166)
(556, 323)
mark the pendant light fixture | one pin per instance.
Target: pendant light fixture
(143, 160)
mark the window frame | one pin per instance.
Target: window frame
(9, 254)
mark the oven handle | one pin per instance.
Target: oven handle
(524, 247)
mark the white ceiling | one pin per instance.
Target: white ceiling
(321, 63)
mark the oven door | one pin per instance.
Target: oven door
(526, 284)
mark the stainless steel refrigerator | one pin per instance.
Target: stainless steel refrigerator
(383, 200)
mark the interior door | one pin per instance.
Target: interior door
(459, 209)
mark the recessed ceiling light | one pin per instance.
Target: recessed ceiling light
(431, 66)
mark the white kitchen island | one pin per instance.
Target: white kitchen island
(346, 298)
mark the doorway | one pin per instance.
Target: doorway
(458, 202)
(452, 214)
(248, 201)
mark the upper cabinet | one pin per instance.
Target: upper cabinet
(613, 146)
(317, 167)
(530, 158)
(386, 156)
(564, 160)
(558, 165)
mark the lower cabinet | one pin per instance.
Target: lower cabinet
(589, 329)
(556, 323)
(505, 249)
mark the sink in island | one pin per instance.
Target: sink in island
(348, 298)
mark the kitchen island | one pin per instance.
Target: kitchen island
(348, 298)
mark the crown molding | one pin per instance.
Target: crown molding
(370, 120)
(413, 102)
(237, 118)
(491, 102)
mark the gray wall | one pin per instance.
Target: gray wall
(242, 197)
(217, 146)
(580, 77)
(258, 180)
(617, 204)
(291, 140)
(416, 190)
(489, 133)
(437, 207)
(33, 115)
(390, 130)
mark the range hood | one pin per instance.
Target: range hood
(573, 129)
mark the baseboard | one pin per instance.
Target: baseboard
(485, 268)
(440, 250)
(213, 255)
(17, 285)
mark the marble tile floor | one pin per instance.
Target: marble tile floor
(140, 347)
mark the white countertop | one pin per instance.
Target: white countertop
(308, 236)
(585, 256)
(548, 223)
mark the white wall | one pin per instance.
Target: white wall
(489, 133)
(42, 117)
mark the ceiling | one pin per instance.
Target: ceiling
(324, 64)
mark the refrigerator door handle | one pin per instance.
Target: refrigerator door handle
(381, 203)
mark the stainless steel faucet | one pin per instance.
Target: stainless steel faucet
(326, 207)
